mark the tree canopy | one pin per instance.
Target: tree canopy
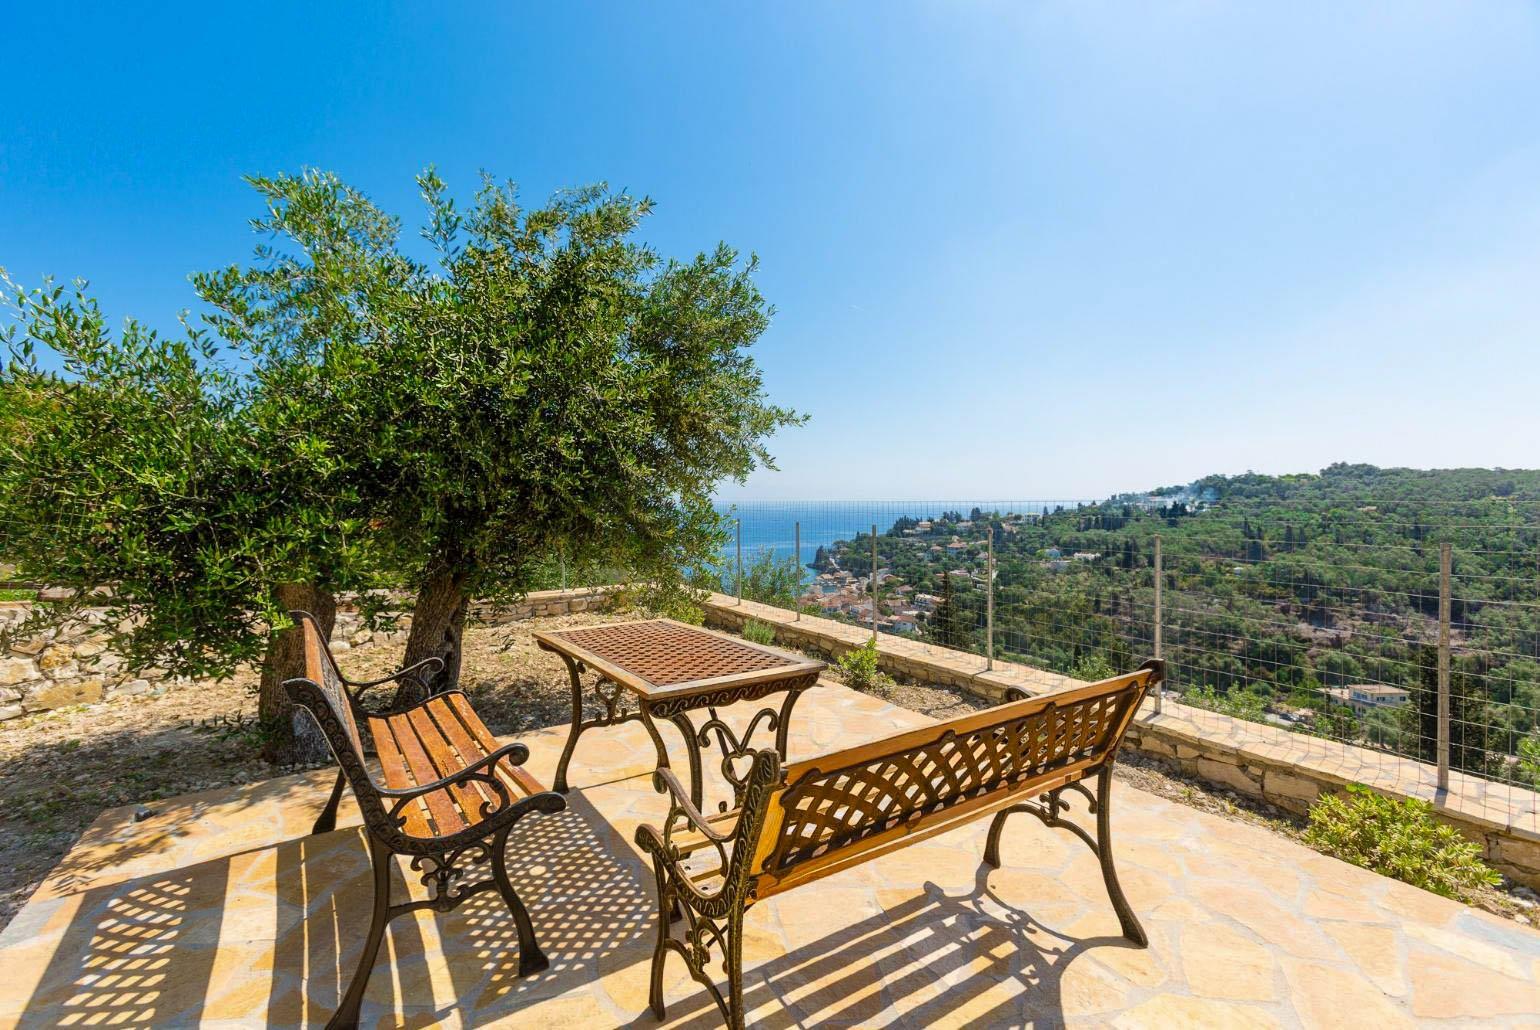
(159, 483)
(546, 383)
(344, 413)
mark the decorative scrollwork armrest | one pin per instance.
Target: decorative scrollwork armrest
(665, 782)
(1016, 694)
(399, 674)
(547, 801)
(482, 770)
(670, 854)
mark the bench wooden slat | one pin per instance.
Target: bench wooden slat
(516, 774)
(471, 751)
(689, 843)
(960, 726)
(434, 741)
(397, 776)
(322, 671)
(445, 818)
(445, 762)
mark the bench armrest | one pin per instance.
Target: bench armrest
(667, 854)
(733, 849)
(433, 660)
(514, 754)
(665, 782)
(504, 809)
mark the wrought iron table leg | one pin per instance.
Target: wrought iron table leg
(657, 738)
(576, 729)
(783, 725)
(692, 751)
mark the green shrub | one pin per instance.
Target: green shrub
(1529, 759)
(1239, 704)
(9, 594)
(768, 579)
(1093, 667)
(1398, 838)
(859, 667)
(757, 632)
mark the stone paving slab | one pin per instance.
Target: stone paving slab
(219, 911)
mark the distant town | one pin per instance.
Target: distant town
(842, 588)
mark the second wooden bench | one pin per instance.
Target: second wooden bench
(812, 818)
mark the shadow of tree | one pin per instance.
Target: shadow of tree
(52, 789)
(118, 845)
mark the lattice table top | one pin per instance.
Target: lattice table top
(661, 656)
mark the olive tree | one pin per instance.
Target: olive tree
(344, 415)
(546, 382)
(166, 487)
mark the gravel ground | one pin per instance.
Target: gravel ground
(59, 770)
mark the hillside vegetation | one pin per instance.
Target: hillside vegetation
(1277, 589)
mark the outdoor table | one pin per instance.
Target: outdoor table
(673, 669)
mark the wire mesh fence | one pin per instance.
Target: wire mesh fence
(1407, 630)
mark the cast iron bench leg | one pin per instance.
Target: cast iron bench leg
(326, 822)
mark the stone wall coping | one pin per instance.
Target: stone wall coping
(1480, 801)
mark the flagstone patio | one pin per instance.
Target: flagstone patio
(217, 909)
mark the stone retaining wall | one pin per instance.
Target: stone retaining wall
(72, 665)
(1289, 770)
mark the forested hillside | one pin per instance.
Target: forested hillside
(1278, 591)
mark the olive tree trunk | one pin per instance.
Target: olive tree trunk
(293, 736)
(438, 627)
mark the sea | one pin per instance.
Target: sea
(772, 525)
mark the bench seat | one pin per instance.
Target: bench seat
(436, 741)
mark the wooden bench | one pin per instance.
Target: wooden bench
(816, 817)
(448, 794)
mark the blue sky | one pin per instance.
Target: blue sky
(1015, 249)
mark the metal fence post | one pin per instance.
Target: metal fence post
(1445, 566)
(739, 585)
(1160, 575)
(874, 581)
(796, 603)
(989, 606)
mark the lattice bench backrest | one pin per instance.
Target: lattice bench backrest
(840, 799)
